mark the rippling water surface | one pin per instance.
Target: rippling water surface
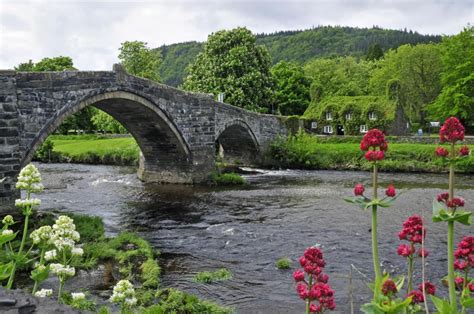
(246, 229)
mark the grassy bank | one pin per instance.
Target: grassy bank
(304, 151)
(92, 149)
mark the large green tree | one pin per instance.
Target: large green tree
(291, 88)
(417, 69)
(457, 95)
(232, 63)
(60, 63)
(139, 60)
(342, 76)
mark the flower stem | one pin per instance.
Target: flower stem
(41, 262)
(375, 249)
(60, 291)
(452, 287)
(410, 274)
(308, 301)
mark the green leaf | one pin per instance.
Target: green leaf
(40, 275)
(4, 238)
(400, 281)
(437, 207)
(371, 308)
(466, 300)
(443, 306)
(5, 270)
(461, 216)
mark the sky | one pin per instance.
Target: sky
(91, 31)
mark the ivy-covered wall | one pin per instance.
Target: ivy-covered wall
(359, 108)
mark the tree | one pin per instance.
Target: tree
(60, 63)
(418, 69)
(139, 60)
(342, 76)
(232, 63)
(25, 67)
(291, 88)
(105, 122)
(374, 52)
(457, 78)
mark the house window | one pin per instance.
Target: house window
(314, 125)
(327, 129)
(372, 116)
(348, 116)
(363, 128)
(328, 116)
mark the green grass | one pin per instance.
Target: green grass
(210, 277)
(227, 179)
(96, 150)
(283, 263)
(304, 151)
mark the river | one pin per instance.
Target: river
(246, 229)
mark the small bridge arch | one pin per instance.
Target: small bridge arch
(237, 142)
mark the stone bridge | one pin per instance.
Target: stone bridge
(177, 131)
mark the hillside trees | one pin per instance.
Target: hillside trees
(457, 96)
(291, 88)
(232, 63)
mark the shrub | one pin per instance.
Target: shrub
(283, 263)
(227, 179)
(210, 277)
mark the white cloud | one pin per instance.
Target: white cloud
(91, 31)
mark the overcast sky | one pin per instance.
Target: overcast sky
(91, 31)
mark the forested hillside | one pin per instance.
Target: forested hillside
(299, 46)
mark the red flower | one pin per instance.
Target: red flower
(302, 290)
(417, 297)
(303, 261)
(471, 287)
(379, 155)
(464, 151)
(390, 192)
(443, 197)
(455, 202)
(465, 254)
(413, 229)
(313, 308)
(389, 288)
(451, 131)
(298, 275)
(373, 138)
(460, 265)
(359, 190)
(405, 250)
(441, 152)
(323, 278)
(459, 282)
(423, 253)
(429, 288)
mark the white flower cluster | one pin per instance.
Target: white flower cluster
(42, 235)
(62, 270)
(77, 251)
(8, 220)
(29, 179)
(28, 202)
(124, 293)
(50, 255)
(64, 233)
(44, 293)
(77, 296)
(7, 232)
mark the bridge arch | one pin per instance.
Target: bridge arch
(165, 155)
(236, 142)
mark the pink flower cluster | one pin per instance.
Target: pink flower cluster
(316, 290)
(451, 131)
(464, 254)
(359, 190)
(417, 295)
(413, 232)
(372, 140)
(453, 204)
(443, 152)
(389, 288)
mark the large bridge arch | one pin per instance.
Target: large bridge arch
(237, 142)
(165, 155)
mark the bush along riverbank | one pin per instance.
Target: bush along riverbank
(66, 257)
(304, 151)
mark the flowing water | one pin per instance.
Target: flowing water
(246, 229)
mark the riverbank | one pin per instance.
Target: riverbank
(301, 151)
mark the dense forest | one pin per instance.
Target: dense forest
(298, 46)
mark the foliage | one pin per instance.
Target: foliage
(299, 46)
(233, 64)
(45, 152)
(374, 52)
(106, 123)
(139, 60)
(291, 88)
(150, 273)
(91, 228)
(417, 69)
(60, 63)
(227, 179)
(175, 301)
(283, 263)
(210, 277)
(457, 96)
(358, 107)
(342, 76)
